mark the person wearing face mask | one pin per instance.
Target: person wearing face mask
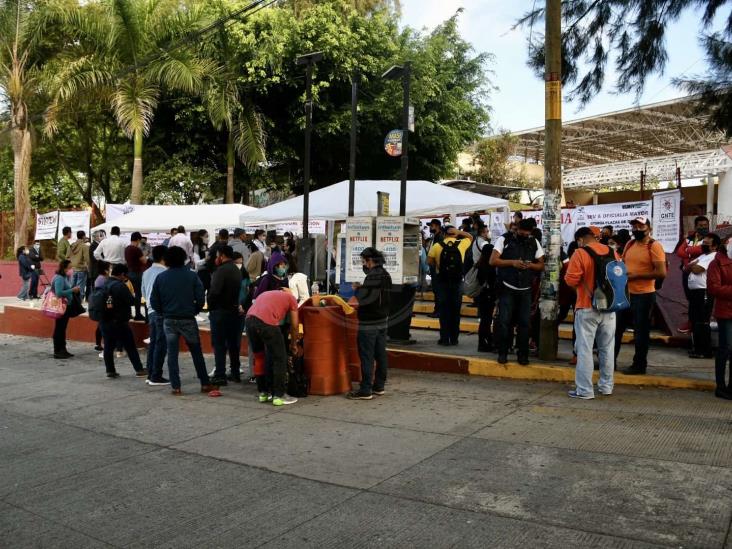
(606, 234)
(116, 323)
(688, 250)
(61, 285)
(34, 254)
(373, 318)
(25, 270)
(719, 286)
(223, 307)
(517, 259)
(276, 276)
(646, 262)
(700, 302)
(438, 236)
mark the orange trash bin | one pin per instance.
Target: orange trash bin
(326, 355)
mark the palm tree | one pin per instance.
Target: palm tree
(122, 55)
(19, 79)
(229, 112)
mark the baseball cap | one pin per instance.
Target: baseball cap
(595, 231)
(642, 220)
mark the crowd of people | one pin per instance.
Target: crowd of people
(239, 279)
(507, 273)
(247, 283)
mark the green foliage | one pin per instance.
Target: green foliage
(491, 157)
(632, 35)
(176, 181)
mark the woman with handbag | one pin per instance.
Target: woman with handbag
(62, 288)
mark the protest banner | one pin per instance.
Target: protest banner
(78, 221)
(114, 211)
(46, 225)
(618, 216)
(667, 218)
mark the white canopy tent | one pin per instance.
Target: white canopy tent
(155, 219)
(424, 199)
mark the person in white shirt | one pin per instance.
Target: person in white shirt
(701, 303)
(481, 239)
(298, 282)
(181, 240)
(259, 242)
(111, 249)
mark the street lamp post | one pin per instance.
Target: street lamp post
(354, 137)
(394, 73)
(309, 60)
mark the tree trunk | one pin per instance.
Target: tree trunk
(230, 162)
(22, 150)
(136, 191)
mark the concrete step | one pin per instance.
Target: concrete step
(424, 306)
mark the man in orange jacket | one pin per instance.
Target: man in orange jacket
(590, 324)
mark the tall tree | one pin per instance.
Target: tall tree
(20, 69)
(122, 55)
(632, 34)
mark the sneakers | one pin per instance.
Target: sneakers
(503, 359)
(633, 371)
(176, 392)
(252, 380)
(575, 394)
(146, 341)
(157, 382)
(219, 381)
(141, 373)
(236, 378)
(283, 400)
(112, 375)
(604, 393)
(63, 355)
(208, 388)
(264, 397)
(377, 392)
(358, 395)
(119, 354)
(98, 348)
(101, 355)
(523, 360)
(685, 328)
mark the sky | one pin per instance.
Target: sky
(518, 104)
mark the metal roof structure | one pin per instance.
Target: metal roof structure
(500, 191)
(614, 148)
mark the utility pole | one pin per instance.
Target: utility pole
(309, 61)
(354, 137)
(551, 218)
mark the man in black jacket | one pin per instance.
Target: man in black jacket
(36, 258)
(223, 307)
(373, 319)
(116, 323)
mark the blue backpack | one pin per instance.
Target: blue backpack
(611, 283)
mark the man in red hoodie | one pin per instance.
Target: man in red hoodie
(689, 249)
(589, 324)
(719, 286)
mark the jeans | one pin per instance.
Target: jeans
(226, 339)
(450, 303)
(723, 355)
(24, 289)
(700, 311)
(59, 334)
(136, 281)
(79, 279)
(592, 325)
(116, 334)
(263, 337)
(174, 329)
(34, 284)
(513, 304)
(641, 307)
(157, 349)
(372, 346)
(486, 302)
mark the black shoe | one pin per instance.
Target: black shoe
(503, 359)
(98, 348)
(68, 354)
(443, 342)
(139, 318)
(63, 355)
(219, 381)
(358, 395)
(252, 380)
(633, 371)
(112, 375)
(377, 392)
(523, 360)
(453, 343)
(696, 355)
(720, 393)
(158, 381)
(141, 373)
(236, 378)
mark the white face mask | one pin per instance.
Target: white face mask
(729, 249)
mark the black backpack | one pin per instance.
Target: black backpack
(451, 262)
(297, 381)
(98, 303)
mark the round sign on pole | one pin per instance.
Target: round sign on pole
(393, 143)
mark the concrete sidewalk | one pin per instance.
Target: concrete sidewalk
(440, 461)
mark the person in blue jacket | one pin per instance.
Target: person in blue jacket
(25, 270)
(61, 284)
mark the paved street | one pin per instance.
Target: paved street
(440, 461)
